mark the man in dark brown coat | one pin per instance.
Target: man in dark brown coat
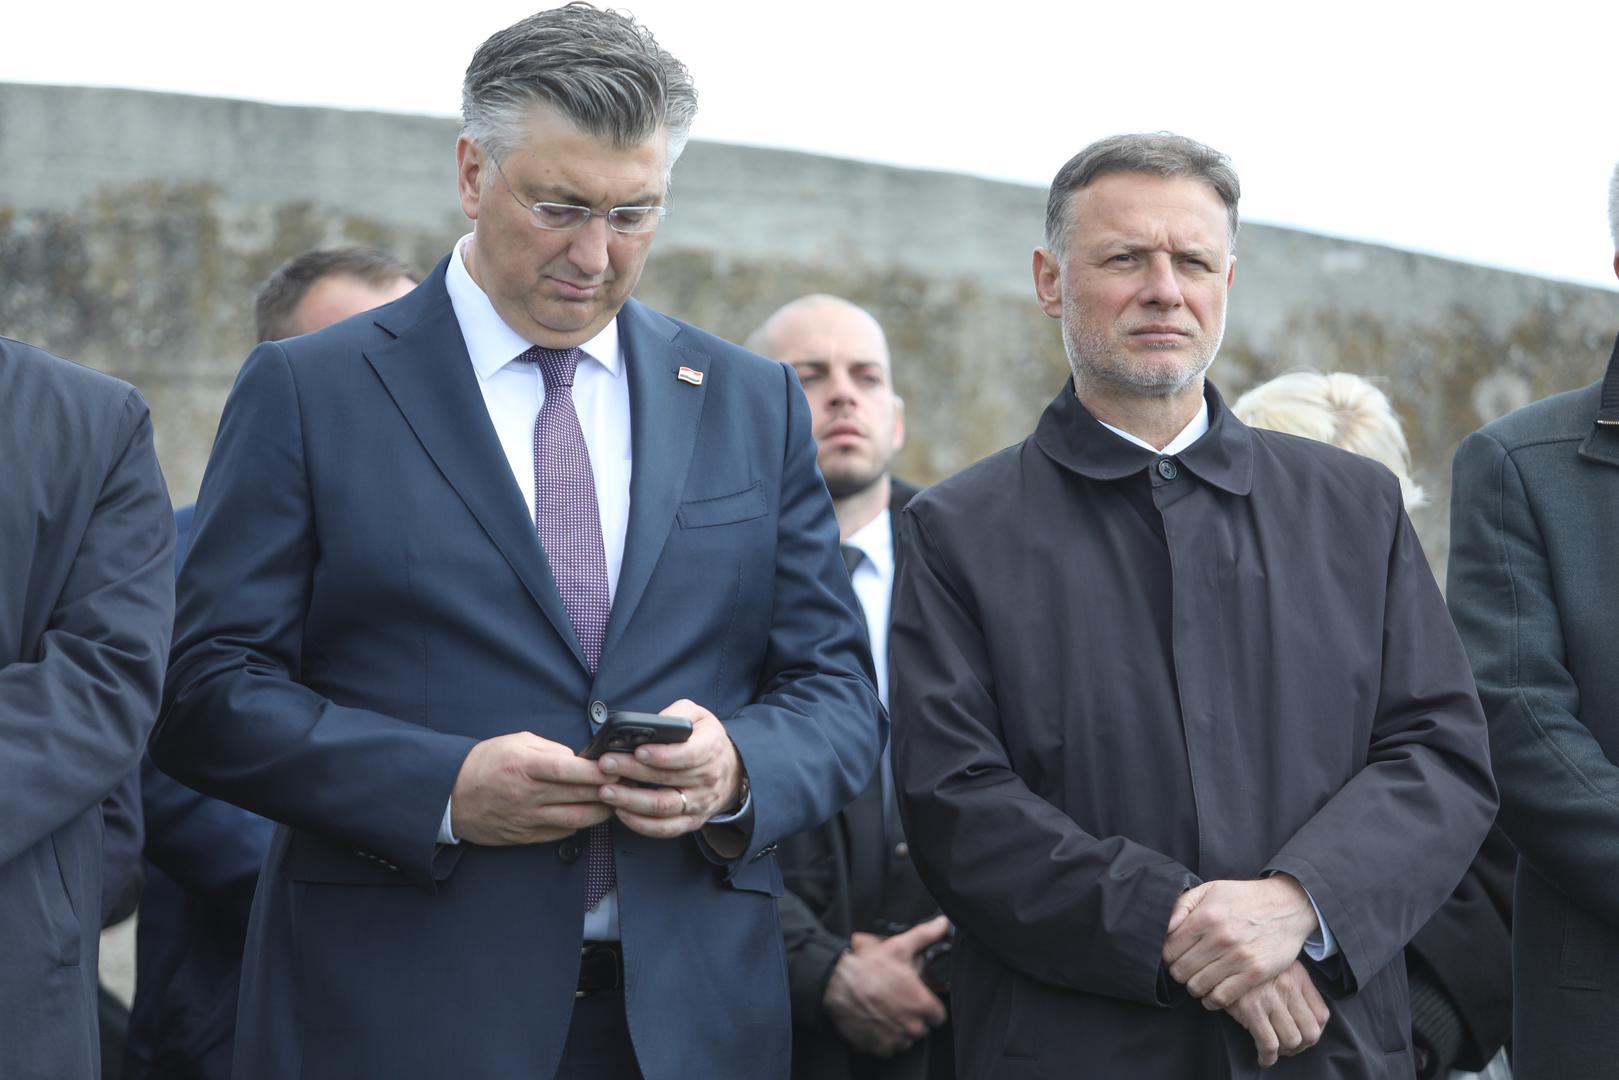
(1187, 746)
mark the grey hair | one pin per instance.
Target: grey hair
(599, 68)
(1613, 207)
(1160, 153)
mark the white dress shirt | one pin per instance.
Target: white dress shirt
(874, 584)
(513, 391)
(1320, 944)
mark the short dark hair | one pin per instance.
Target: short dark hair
(290, 282)
(1160, 153)
(601, 69)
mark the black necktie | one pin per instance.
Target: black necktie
(852, 558)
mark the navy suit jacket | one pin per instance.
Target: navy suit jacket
(86, 597)
(202, 861)
(366, 598)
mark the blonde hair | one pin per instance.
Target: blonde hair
(1341, 409)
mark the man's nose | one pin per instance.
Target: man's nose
(588, 251)
(840, 387)
(1161, 287)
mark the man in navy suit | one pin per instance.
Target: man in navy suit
(436, 544)
(202, 855)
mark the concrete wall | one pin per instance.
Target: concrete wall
(134, 228)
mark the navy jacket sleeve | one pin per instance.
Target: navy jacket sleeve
(817, 680)
(73, 716)
(254, 542)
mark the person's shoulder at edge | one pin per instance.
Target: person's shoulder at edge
(37, 363)
(1563, 417)
(981, 490)
(1300, 465)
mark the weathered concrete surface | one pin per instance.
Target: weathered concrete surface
(134, 228)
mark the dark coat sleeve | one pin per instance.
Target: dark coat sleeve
(1012, 870)
(1426, 780)
(253, 540)
(1559, 791)
(812, 953)
(210, 847)
(121, 849)
(73, 718)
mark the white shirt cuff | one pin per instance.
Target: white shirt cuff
(446, 835)
(731, 818)
(1320, 944)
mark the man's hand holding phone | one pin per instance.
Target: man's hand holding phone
(695, 779)
(522, 789)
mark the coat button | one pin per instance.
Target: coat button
(598, 713)
(1167, 469)
(568, 851)
(902, 851)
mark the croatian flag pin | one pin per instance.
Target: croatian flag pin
(690, 375)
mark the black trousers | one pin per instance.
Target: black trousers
(598, 1046)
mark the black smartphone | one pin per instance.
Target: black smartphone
(622, 732)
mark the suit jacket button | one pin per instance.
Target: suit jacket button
(598, 713)
(568, 851)
(902, 851)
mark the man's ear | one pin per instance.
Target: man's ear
(1616, 264)
(470, 163)
(1231, 272)
(899, 423)
(1048, 282)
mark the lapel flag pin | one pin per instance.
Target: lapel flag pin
(690, 375)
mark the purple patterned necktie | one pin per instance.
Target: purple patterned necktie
(569, 522)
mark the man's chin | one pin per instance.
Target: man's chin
(844, 485)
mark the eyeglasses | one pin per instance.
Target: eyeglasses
(561, 217)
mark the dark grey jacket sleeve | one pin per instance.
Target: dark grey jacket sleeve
(1559, 791)
(74, 716)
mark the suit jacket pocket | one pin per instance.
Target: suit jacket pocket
(1585, 947)
(744, 505)
(315, 861)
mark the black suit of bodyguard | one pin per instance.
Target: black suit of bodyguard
(843, 877)
(86, 602)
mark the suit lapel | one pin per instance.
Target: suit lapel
(664, 415)
(427, 372)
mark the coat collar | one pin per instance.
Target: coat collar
(1070, 436)
(1603, 442)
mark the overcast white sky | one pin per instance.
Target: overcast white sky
(1479, 131)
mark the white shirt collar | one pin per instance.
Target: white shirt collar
(875, 539)
(490, 342)
(1193, 431)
